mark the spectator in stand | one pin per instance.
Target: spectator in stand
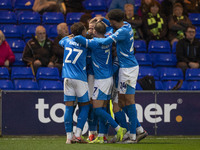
(193, 6)
(42, 6)
(188, 50)
(58, 51)
(134, 20)
(6, 55)
(119, 4)
(177, 24)
(85, 19)
(154, 23)
(38, 50)
(144, 8)
(167, 7)
(74, 5)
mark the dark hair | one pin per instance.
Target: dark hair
(84, 19)
(155, 3)
(77, 28)
(100, 27)
(116, 14)
(190, 26)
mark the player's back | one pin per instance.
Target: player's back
(74, 60)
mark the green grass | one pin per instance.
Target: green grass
(58, 143)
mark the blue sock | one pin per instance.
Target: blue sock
(106, 123)
(132, 115)
(83, 115)
(68, 118)
(102, 126)
(125, 110)
(121, 119)
(138, 123)
(92, 119)
(105, 116)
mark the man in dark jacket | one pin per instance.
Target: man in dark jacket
(188, 50)
(58, 51)
(38, 50)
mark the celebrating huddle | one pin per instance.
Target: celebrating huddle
(92, 72)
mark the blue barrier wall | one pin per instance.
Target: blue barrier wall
(42, 112)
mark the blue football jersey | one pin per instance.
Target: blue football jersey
(124, 40)
(101, 57)
(74, 60)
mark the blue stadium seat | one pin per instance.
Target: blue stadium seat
(5, 4)
(108, 2)
(197, 32)
(159, 47)
(143, 71)
(22, 73)
(16, 45)
(51, 31)
(29, 31)
(168, 85)
(195, 18)
(27, 17)
(50, 73)
(174, 47)
(12, 31)
(6, 85)
(166, 60)
(194, 85)
(192, 75)
(4, 73)
(73, 17)
(140, 46)
(52, 18)
(171, 74)
(143, 59)
(25, 85)
(7, 17)
(21, 4)
(95, 13)
(138, 87)
(95, 5)
(50, 85)
(137, 5)
(18, 60)
(159, 85)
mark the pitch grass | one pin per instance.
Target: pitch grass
(58, 143)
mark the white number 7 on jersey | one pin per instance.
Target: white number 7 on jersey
(70, 52)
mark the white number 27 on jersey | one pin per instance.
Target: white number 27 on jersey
(79, 52)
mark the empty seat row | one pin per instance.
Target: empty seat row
(168, 85)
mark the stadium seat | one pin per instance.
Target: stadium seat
(195, 18)
(192, 75)
(143, 59)
(166, 60)
(5, 4)
(138, 87)
(25, 85)
(94, 5)
(50, 85)
(21, 4)
(51, 31)
(73, 17)
(18, 60)
(4, 73)
(194, 85)
(143, 71)
(7, 17)
(171, 74)
(159, 47)
(96, 13)
(140, 46)
(159, 85)
(168, 85)
(16, 45)
(108, 2)
(22, 73)
(29, 31)
(6, 85)
(50, 73)
(52, 18)
(29, 17)
(12, 31)
(174, 47)
(197, 33)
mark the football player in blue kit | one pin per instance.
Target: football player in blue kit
(102, 66)
(75, 83)
(128, 70)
